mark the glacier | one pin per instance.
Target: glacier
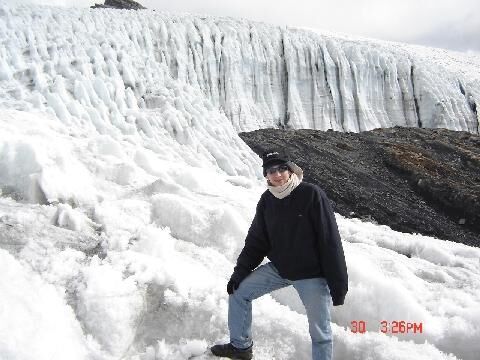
(126, 192)
(258, 75)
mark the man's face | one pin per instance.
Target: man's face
(278, 175)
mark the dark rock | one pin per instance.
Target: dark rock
(119, 4)
(413, 180)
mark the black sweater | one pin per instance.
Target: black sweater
(299, 235)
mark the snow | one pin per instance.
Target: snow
(126, 193)
(35, 317)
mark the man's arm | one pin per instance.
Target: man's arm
(331, 249)
(256, 246)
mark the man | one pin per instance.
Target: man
(294, 226)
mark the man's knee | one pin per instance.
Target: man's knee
(321, 340)
(248, 287)
(244, 292)
(321, 335)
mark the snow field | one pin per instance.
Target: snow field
(34, 314)
(170, 289)
(170, 246)
(416, 279)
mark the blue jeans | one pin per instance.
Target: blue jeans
(314, 294)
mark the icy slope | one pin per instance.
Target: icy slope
(122, 212)
(259, 75)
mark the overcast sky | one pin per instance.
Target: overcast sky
(452, 24)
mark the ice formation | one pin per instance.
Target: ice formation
(258, 75)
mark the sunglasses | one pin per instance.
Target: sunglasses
(279, 168)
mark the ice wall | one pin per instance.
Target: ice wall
(258, 75)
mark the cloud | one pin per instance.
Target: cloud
(461, 36)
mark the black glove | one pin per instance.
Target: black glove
(338, 295)
(337, 301)
(239, 273)
(232, 285)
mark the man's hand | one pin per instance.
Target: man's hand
(231, 287)
(338, 299)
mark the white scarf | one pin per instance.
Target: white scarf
(284, 190)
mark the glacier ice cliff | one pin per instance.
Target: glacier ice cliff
(258, 75)
(264, 76)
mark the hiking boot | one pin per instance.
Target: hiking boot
(231, 352)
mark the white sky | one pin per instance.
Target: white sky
(452, 24)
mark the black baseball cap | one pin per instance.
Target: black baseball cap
(274, 157)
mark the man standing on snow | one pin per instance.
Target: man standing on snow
(294, 226)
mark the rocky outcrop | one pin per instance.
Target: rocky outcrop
(120, 4)
(413, 180)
